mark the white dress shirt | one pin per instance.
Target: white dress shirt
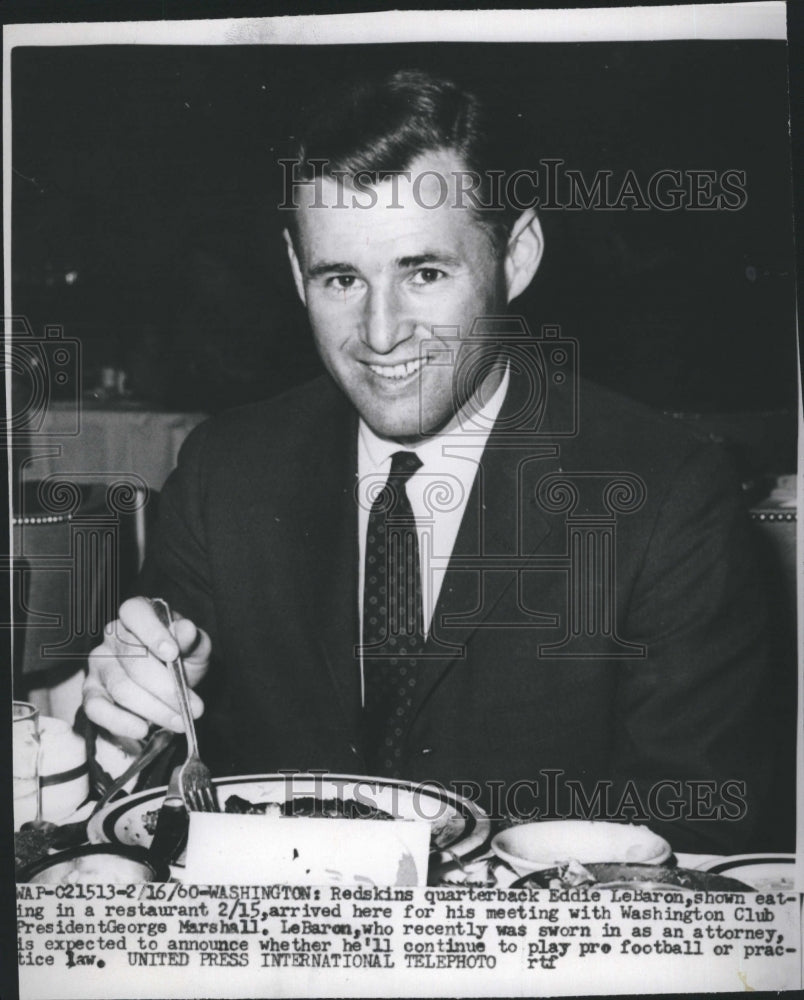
(438, 492)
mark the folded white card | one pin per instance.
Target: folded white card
(223, 848)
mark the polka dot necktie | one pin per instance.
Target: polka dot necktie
(393, 632)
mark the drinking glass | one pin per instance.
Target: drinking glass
(27, 793)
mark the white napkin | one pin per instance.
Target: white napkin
(231, 849)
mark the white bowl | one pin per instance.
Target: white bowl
(531, 847)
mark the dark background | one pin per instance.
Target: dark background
(146, 176)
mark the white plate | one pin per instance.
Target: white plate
(764, 872)
(458, 825)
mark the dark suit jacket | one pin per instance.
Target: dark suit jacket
(257, 543)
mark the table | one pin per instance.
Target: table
(101, 440)
(89, 444)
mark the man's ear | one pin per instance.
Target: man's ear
(523, 253)
(294, 266)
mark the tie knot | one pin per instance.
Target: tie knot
(403, 465)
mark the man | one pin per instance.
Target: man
(432, 563)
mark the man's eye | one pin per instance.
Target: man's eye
(343, 286)
(427, 276)
(342, 282)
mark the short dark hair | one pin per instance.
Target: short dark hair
(380, 125)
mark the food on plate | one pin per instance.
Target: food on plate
(307, 805)
(456, 825)
(572, 874)
(30, 845)
(642, 852)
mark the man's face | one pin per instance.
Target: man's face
(388, 289)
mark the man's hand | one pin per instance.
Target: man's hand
(128, 685)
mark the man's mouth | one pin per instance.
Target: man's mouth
(395, 373)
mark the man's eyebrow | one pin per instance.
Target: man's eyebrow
(413, 260)
(329, 267)
(429, 257)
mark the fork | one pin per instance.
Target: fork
(195, 778)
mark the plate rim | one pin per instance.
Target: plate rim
(159, 866)
(477, 836)
(724, 864)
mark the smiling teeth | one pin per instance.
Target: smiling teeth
(397, 371)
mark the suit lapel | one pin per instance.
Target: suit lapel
(501, 529)
(327, 515)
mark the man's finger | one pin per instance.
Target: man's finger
(129, 694)
(138, 616)
(100, 710)
(120, 643)
(196, 646)
(153, 676)
(143, 685)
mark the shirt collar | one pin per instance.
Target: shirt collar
(471, 431)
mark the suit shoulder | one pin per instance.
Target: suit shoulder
(302, 405)
(618, 427)
(620, 435)
(285, 421)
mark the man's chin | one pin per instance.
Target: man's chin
(403, 432)
(404, 428)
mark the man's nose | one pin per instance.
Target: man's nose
(383, 324)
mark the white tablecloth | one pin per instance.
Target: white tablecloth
(100, 443)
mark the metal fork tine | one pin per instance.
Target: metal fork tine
(201, 796)
(192, 795)
(195, 779)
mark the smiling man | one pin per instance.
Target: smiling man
(422, 565)
(380, 282)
